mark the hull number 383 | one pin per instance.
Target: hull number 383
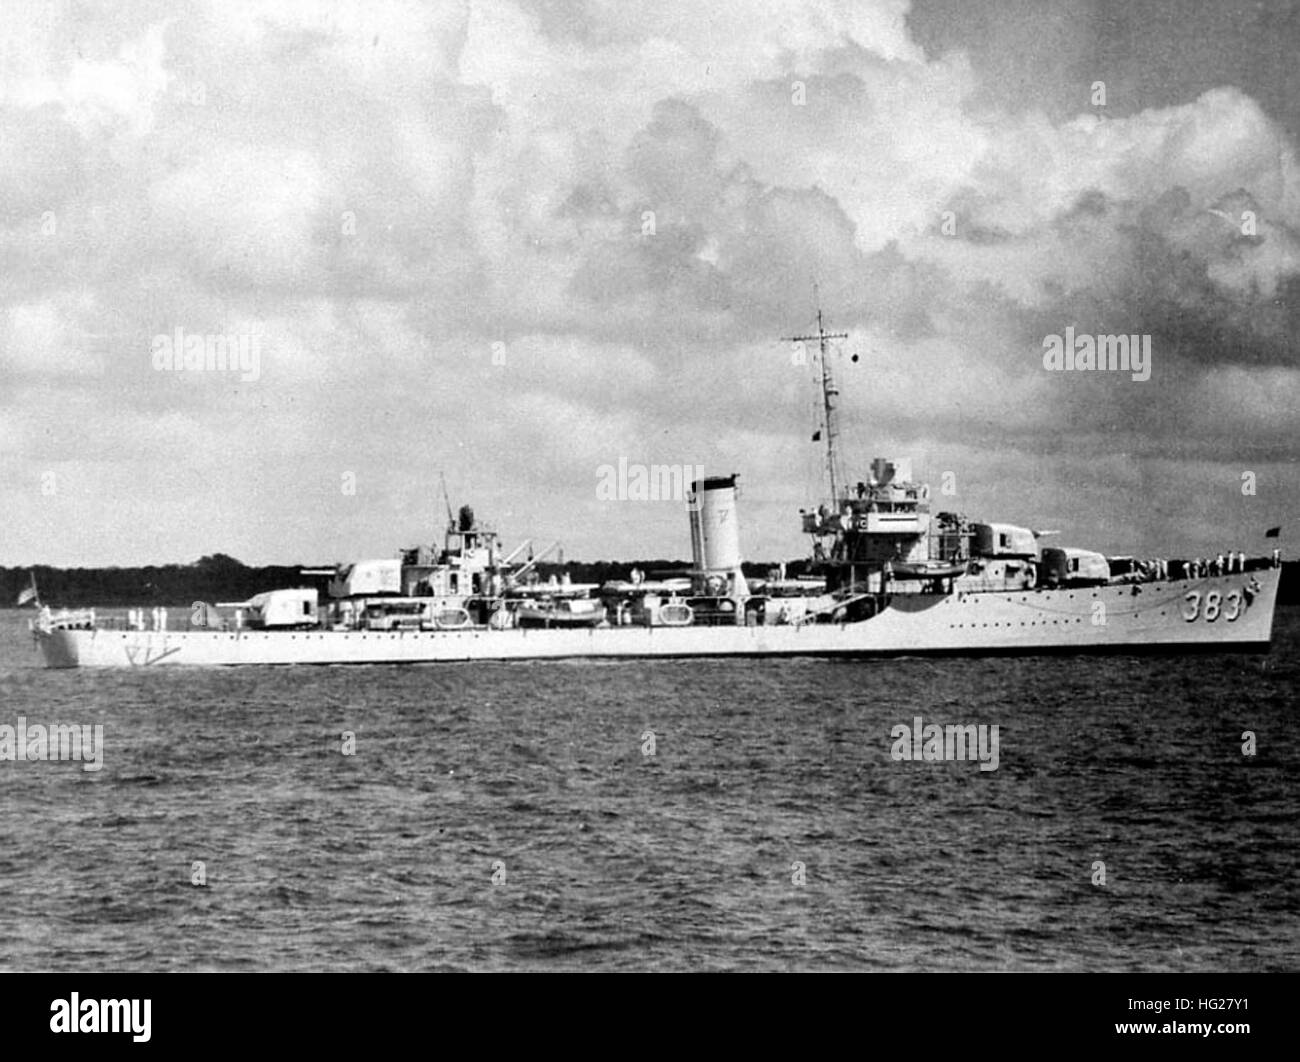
(1211, 606)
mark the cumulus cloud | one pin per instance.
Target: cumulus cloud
(519, 239)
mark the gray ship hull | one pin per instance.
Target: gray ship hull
(1217, 613)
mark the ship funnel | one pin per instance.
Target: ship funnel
(715, 531)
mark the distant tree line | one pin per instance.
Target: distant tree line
(222, 578)
(213, 578)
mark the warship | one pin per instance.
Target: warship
(887, 577)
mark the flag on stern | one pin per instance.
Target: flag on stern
(28, 593)
(1273, 532)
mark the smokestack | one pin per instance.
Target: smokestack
(715, 531)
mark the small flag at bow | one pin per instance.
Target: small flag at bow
(1273, 532)
(817, 435)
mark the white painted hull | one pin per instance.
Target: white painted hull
(975, 624)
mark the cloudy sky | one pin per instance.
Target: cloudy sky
(517, 240)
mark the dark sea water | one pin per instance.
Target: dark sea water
(614, 860)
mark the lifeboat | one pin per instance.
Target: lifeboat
(451, 619)
(568, 612)
(676, 614)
